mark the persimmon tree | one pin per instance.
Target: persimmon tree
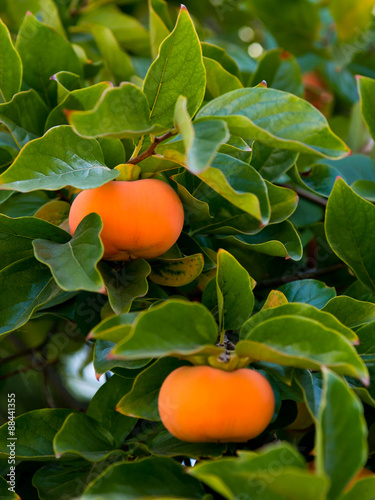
(261, 119)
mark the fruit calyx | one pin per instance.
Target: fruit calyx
(128, 172)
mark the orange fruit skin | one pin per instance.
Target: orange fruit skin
(205, 404)
(141, 219)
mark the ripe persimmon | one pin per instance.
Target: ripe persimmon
(141, 219)
(205, 404)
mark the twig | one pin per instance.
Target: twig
(316, 273)
(307, 195)
(25, 352)
(150, 150)
(24, 369)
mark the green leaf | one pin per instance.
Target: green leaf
(5, 493)
(363, 489)
(178, 70)
(177, 272)
(145, 478)
(351, 17)
(341, 439)
(121, 112)
(35, 432)
(142, 400)
(240, 184)
(297, 310)
(350, 229)
(280, 70)
(118, 61)
(219, 80)
(80, 99)
(366, 91)
(283, 202)
(58, 159)
(83, 436)
(271, 163)
(294, 123)
(201, 140)
(129, 32)
(313, 292)
(159, 24)
(126, 284)
(114, 328)
(10, 66)
(23, 204)
(74, 264)
(303, 343)
(102, 408)
(102, 350)
(38, 42)
(234, 288)
(174, 327)
(35, 287)
(279, 240)
(221, 56)
(300, 16)
(165, 445)
(65, 82)
(24, 116)
(55, 212)
(351, 312)
(249, 474)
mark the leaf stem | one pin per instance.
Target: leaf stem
(150, 150)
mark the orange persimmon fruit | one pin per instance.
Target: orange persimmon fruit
(205, 404)
(141, 219)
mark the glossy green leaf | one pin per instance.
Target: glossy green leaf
(363, 489)
(279, 240)
(145, 478)
(24, 116)
(121, 112)
(80, 99)
(270, 162)
(5, 492)
(35, 287)
(351, 312)
(240, 184)
(65, 82)
(102, 408)
(114, 328)
(303, 343)
(280, 70)
(283, 202)
(84, 436)
(219, 80)
(173, 327)
(103, 348)
(58, 159)
(10, 66)
(297, 310)
(341, 439)
(37, 41)
(74, 264)
(221, 56)
(126, 284)
(177, 272)
(201, 140)
(313, 292)
(300, 16)
(234, 292)
(142, 400)
(159, 24)
(349, 225)
(293, 124)
(177, 70)
(249, 474)
(35, 432)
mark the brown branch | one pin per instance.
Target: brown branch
(275, 282)
(24, 369)
(25, 352)
(150, 150)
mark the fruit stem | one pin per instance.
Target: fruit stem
(150, 150)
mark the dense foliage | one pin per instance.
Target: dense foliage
(261, 117)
